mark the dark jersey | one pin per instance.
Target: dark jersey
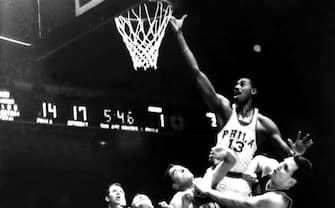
(260, 188)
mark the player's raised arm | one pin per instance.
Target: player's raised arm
(227, 160)
(298, 147)
(219, 104)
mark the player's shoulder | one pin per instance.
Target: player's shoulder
(177, 197)
(279, 198)
(266, 123)
(274, 199)
(264, 118)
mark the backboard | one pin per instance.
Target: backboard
(63, 22)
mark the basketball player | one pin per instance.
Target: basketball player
(115, 196)
(183, 180)
(276, 178)
(141, 201)
(238, 123)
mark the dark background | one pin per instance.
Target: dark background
(85, 57)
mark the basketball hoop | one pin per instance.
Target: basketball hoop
(142, 29)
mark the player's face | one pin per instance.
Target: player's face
(282, 175)
(116, 195)
(243, 90)
(180, 175)
(141, 201)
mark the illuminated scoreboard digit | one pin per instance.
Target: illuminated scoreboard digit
(212, 118)
(119, 120)
(157, 117)
(79, 116)
(49, 113)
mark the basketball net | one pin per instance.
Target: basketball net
(142, 30)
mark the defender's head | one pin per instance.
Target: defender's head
(182, 177)
(289, 171)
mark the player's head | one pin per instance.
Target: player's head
(182, 177)
(289, 171)
(141, 201)
(244, 90)
(115, 195)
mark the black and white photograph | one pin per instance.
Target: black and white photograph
(167, 103)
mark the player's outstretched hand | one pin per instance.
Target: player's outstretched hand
(301, 144)
(177, 24)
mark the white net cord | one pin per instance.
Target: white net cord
(143, 34)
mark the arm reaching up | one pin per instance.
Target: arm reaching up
(219, 104)
(228, 160)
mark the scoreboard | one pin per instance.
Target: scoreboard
(106, 114)
(149, 119)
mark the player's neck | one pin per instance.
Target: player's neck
(271, 186)
(245, 108)
(245, 112)
(186, 186)
(110, 205)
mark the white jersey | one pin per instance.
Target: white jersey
(241, 138)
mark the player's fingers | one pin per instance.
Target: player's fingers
(298, 135)
(309, 143)
(184, 16)
(305, 137)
